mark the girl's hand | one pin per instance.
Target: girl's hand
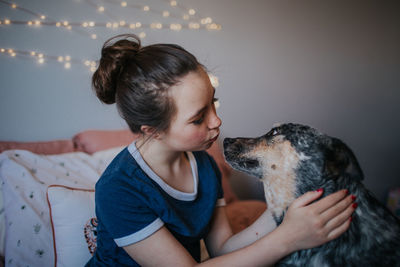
(308, 225)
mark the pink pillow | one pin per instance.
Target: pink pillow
(91, 141)
(94, 140)
(46, 148)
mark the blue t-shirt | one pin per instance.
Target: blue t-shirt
(133, 202)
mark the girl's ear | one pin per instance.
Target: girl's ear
(150, 131)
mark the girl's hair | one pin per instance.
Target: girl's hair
(137, 79)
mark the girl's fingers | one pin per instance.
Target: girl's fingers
(341, 217)
(338, 209)
(307, 198)
(340, 229)
(329, 201)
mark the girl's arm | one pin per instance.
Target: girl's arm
(306, 225)
(303, 227)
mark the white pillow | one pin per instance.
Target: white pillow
(25, 177)
(70, 210)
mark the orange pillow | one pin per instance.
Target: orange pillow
(46, 148)
(92, 141)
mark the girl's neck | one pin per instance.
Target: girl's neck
(159, 157)
(172, 167)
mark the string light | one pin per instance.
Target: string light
(43, 20)
(42, 58)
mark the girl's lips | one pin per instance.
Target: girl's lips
(214, 139)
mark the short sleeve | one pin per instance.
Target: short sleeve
(123, 211)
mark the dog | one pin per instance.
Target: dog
(292, 159)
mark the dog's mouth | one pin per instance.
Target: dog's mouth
(248, 164)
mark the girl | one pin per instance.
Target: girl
(162, 193)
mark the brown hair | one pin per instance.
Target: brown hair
(137, 79)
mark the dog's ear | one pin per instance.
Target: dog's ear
(340, 160)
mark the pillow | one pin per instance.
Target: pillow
(92, 141)
(95, 140)
(70, 210)
(47, 148)
(25, 177)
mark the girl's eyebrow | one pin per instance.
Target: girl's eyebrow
(202, 109)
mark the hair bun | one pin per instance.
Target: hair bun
(114, 54)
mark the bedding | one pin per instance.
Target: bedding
(41, 223)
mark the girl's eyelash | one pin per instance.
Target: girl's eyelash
(200, 120)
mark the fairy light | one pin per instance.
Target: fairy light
(175, 27)
(142, 35)
(194, 26)
(196, 22)
(214, 80)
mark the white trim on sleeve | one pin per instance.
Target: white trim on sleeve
(140, 235)
(220, 202)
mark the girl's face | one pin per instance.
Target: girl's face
(195, 125)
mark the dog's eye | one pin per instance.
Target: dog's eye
(274, 132)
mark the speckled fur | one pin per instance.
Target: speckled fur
(292, 159)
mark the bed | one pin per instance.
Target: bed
(47, 197)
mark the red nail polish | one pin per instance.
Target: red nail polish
(354, 205)
(351, 219)
(320, 190)
(353, 197)
(347, 191)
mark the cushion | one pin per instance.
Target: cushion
(91, 141)
(95, 140)
(47, 148)
(70, 210)
(25, 177)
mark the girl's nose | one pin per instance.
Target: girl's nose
(215, 121)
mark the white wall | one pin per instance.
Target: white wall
(334, 65)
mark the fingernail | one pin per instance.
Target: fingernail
(354, 205)
(347, 191)
(351, 219)
(353, 197)
(320, 190)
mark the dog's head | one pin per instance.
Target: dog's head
(294, 156)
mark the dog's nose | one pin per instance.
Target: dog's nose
(232, 145)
